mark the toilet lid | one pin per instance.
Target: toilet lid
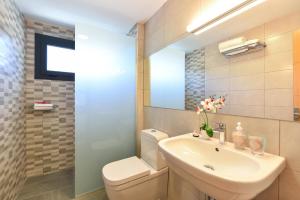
(123, 171)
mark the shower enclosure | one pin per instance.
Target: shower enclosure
(104, 103)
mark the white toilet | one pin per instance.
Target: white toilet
(139, 179)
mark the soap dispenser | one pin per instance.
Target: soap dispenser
(238, 137)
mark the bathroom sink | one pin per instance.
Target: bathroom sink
(221, 171)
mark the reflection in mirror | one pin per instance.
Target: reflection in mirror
(257, 83)
(175, 78)
(167, 79)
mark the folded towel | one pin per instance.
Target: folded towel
(43, 105)
(232, 42)
(43, 108)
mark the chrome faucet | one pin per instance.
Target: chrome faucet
(221, 130)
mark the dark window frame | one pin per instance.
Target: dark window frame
(41, 72)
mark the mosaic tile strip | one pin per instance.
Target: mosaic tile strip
(49, 134)
(194, 78)
(12, 137)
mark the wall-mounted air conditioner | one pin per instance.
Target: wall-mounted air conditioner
(239, 46)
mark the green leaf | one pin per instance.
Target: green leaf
(209, 132)
(203, 127)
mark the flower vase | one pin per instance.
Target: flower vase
(204, 135)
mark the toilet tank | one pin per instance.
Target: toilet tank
(149, 148)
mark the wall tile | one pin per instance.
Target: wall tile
(254, 82)
(289, 184)
(279, 79)
(217, 85)
(256, 32)
(279, 61)
(247, 67)
(217, 72)
(238, 76)
(50, 135)
(271, 193)
(156, 22)
(217, 60)
(279, 97)
(278, 112)
(212, 50)
(173, 122)
(249, 110)
(263, 70)
(249, 97)
(180, 122)
(289, 144)
(283, 25)
(177, 122)
(280, 43)
(156, 39)
(12, 102)
(154, 118)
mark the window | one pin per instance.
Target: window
(54, 58)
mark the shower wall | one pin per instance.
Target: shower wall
(12, 138)
(49, 135)
(105, 103)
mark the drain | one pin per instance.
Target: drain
(209, 167)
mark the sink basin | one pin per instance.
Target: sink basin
(220, 171)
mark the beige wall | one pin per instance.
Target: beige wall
(169, 24)
(258, 84)
(171, 21)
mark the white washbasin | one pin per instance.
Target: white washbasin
(221, 171)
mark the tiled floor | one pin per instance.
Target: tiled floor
(97, 195)
(57, 186)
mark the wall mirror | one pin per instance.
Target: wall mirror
(256, 66)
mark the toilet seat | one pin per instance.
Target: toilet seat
(128, 172)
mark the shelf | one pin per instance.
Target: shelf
(43, 106)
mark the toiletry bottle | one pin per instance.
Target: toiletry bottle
(238, 137)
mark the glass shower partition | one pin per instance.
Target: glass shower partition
(104, 103)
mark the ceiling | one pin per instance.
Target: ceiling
(268, 11)
(115, 15)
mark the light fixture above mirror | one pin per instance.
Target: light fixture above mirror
(216, 16)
